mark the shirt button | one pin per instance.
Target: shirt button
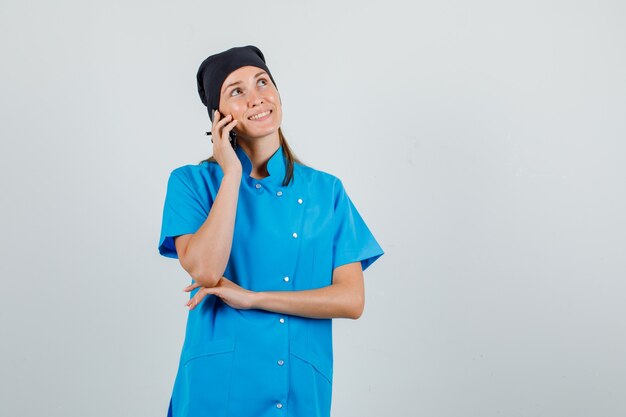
(281, 362)
(299, 201)
(286, 279)
(295, 235)
(258, 185)
(282, 320)
(279, 193)
(279, 405)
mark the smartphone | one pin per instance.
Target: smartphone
(232, 136)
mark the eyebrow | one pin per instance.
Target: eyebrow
(239, 82)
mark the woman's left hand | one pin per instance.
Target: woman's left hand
(231, 293)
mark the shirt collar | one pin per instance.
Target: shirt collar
(275, 165)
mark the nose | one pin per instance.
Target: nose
(255, 99)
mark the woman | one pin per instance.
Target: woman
(275, 248)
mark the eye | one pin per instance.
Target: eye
(232, 93)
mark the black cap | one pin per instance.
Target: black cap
(214, 70)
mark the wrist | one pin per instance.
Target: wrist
(234, 174)
(256, 299)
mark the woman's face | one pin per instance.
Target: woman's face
(249, 91)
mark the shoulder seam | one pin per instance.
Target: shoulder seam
(184, 181)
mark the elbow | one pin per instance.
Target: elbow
(205, 278)
(200, 273)
(356, 309)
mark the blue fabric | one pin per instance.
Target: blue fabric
(257, 363)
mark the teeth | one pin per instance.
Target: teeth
(258, 116)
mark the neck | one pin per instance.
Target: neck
(259, 150)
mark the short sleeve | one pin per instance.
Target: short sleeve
(183, 213)
(353, 241)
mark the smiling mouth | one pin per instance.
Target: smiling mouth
(260, 116)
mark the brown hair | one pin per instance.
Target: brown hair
(291, 158)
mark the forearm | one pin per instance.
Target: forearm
(209, 248)
(333, 301)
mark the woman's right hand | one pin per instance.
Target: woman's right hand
(223, 151)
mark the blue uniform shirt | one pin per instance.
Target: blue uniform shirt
(257, 363)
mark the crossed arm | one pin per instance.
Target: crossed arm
(343, 298)
(204, 253)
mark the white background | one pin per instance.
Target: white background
(482, 142)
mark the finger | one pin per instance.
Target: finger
(216, 118)
(191, 286)
(228, 128)
(219, 124)
(193, 302)
(223, 121)
(196, 299)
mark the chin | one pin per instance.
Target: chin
(259, 132)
